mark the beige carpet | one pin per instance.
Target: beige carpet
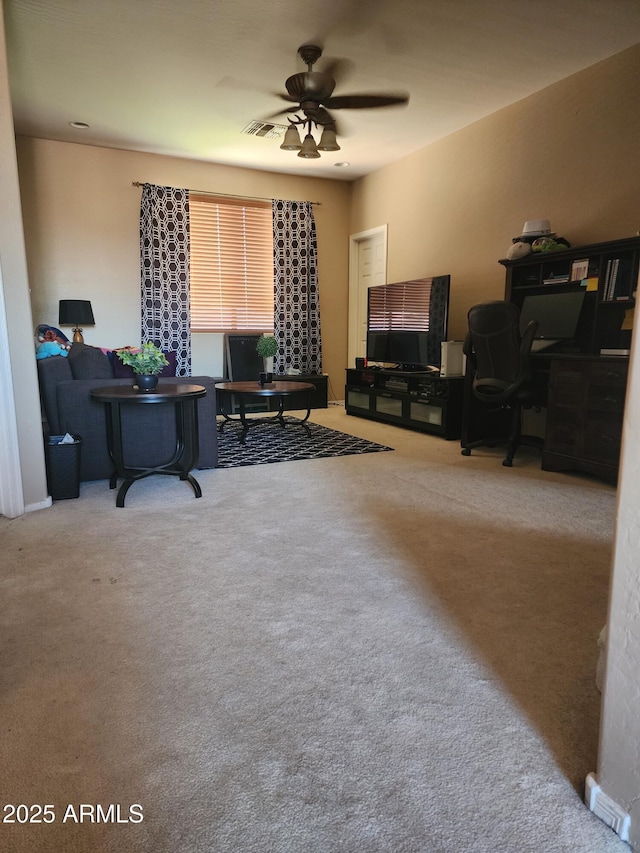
(389, 652)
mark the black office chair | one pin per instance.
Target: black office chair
(498, 364)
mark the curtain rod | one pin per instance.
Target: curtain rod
(224, 195)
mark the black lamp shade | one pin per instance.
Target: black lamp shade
(75, 312)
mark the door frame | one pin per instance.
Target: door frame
(11, 492)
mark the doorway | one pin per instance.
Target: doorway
(367, 268)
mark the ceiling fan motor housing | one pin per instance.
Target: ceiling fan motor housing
(310, 86)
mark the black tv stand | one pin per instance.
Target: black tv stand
(416, 399)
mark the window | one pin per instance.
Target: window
(231, 268)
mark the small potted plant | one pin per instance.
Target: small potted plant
(267, 347)
(146, 362)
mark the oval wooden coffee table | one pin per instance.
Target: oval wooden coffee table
(242, 390)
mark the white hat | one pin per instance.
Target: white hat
(536, 228)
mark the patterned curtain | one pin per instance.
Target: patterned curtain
(164, 271)
(296, 296)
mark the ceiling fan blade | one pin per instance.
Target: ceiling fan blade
(364, 102)
(339, 69)
(325, 119)
(284, 97)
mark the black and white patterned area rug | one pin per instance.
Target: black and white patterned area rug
(268, 441)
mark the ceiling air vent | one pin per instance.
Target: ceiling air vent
(264, 128)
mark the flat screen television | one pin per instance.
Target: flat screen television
(407, 322)
(557, 315)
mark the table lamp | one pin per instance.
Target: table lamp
(76, 312)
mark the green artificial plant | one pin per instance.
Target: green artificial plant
(146, 361)
(267, 346)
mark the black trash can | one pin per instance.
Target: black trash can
(63, 467)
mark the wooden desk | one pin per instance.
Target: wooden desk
(584, 400)
(582, 391)
(185, 400)
(584, 414)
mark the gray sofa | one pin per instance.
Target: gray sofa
(148, 431)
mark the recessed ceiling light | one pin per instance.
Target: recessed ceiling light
(79, 125)
(342, 164)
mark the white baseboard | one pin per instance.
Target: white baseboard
(40, 505)
(605, 808)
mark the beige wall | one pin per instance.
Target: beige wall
(81, 216)
(568, 154)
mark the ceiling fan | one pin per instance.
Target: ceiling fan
(312, 93)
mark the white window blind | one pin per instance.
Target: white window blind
(231, 265)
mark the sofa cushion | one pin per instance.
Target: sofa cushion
(52, 371)
(89, 363)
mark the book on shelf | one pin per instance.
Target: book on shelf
(614, 283)
(622, 289)
(556, 279)
(580, 269)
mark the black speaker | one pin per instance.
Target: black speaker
(361, 363)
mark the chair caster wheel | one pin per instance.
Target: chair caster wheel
(507, 463)
(465, 451)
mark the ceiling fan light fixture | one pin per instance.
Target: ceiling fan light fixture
(291, 141)
(328, 141)
(309, 150)
(313, 92)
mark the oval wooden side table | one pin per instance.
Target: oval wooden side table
(185, 457)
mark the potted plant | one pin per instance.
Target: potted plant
(146, 362)
(267, 347)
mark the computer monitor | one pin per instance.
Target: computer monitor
(557, 315)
